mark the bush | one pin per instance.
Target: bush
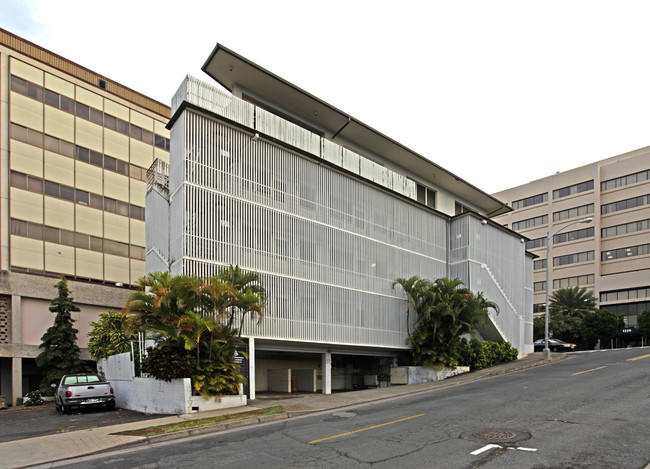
(481, 354)
(168, 362)
(34, 398)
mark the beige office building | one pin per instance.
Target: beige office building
(75, 149)
(611, 254)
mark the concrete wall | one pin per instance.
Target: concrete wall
(279, 380)
(420, 374)
(154, 396)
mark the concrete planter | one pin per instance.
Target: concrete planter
(420, 374)
(201, 404)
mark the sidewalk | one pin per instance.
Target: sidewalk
(50, 448)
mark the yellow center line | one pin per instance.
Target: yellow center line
(587, 371)
(638, 358)
(364, 429)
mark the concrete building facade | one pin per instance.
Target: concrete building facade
(611, 255)
(75, 149)
(330, 212)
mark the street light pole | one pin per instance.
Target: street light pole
(547, 352)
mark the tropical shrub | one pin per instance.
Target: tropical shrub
(108, 336)
(600, 325)
(198, 323)
(445, 311)
(643, 322)
(168, 361)
(482, 354)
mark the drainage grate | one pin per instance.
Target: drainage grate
(496, 435)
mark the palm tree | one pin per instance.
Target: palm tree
(160, 302)
(576, 301)
(414, 288)
(446, 310)
(249, 295)
(193, 327)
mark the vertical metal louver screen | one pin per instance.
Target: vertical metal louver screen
(328, 245)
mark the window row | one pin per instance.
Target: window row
(630, 294)
(61, 191)
(574, 189)
(625, 204)
(539, 264)
(536, 243)
(89, 113)
(539, 286)
(574, 212)
(78, 240)
(622, 253)
(574, 235)
(625, 180)
(530, 223)
(575, 258)
(577, 281)
(65, 148)
(625, 228)
(528, 201)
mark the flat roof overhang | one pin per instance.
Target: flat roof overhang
(231, 71)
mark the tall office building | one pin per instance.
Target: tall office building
(75, 147)
(330, 212)
(610, 255)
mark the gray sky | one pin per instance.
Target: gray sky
(499, 92)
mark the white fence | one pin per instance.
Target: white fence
(155, 396)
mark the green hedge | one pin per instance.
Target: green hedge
(481, 354)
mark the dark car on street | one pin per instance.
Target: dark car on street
(554, 345)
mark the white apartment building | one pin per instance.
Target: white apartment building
(330, 212)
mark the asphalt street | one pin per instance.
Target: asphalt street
(589, 411)
(29, 422)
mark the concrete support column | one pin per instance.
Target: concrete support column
(16, 339)
(16, 379)
(251, 368)
(327, 372)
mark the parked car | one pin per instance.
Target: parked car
(82, 390)
(554, 345)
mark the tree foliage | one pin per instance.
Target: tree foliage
(108, 336)
(59, 350)
(200, 318)
(600, 325)
(445, 311)
(643, 323)
(575, 301)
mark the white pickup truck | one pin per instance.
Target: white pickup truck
(82, 390)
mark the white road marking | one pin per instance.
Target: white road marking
(485, 448)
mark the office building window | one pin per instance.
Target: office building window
(625, 180)
(574, 189)
(573, 258)
(623, 253)
(625, 204)
(574, 212)
(539, 286)
(625, 228)
(530, 223)
(536, 243)
(539, 264)
(625, 295)
(528, 201)
(577, 281)
(574, 235)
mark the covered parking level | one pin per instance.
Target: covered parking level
(286, 367)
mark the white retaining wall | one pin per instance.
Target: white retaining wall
(155, 396)
(420, 374)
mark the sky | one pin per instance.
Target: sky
(498, 92)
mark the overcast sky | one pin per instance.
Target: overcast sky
(498, 92)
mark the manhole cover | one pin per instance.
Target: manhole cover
(496, 435)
